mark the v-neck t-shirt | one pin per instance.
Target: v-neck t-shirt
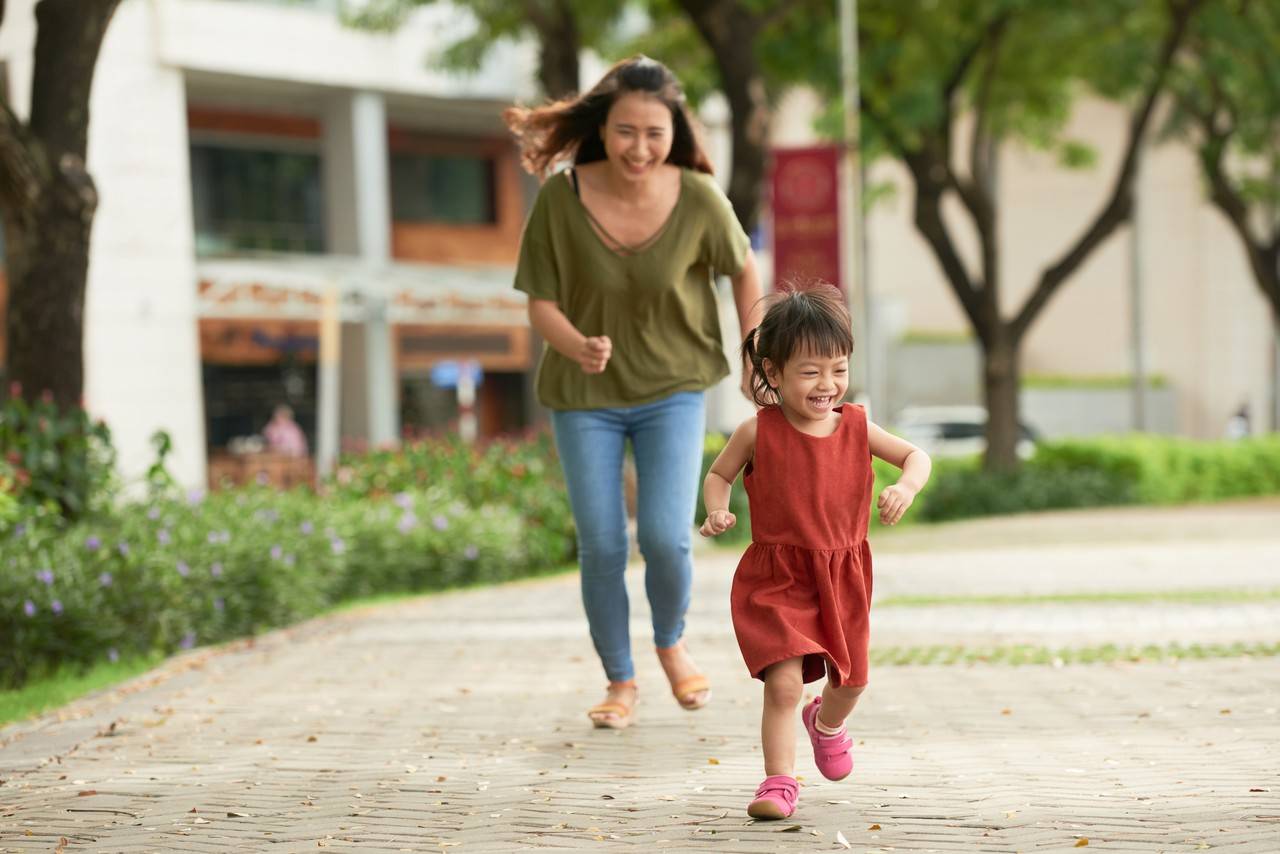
(657, 305)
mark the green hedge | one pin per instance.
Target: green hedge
(1135, 469)
(173, 574)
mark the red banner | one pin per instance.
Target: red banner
(806, 215)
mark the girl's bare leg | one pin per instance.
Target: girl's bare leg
(783, 690)
(837, 704)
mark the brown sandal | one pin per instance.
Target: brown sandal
(622, 714)
(686, 690)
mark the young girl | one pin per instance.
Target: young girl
(803, 589)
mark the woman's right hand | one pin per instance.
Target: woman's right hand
(594, 353)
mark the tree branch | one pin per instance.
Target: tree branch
(1120, 204)
(929, 222)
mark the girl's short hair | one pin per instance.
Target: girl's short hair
(570, 128)
(808, 316)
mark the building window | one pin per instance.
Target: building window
(248, 198)
(446, 189)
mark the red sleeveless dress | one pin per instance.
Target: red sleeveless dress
(803, 587)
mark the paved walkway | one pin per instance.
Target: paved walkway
(455, 722)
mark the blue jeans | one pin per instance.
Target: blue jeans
(666, 438)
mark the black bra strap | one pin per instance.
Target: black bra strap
(573, 175)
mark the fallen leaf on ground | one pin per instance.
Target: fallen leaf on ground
(874, 827)
(86, 793)
(840, 840)
(1082, 842)
(792, 829)
(713, 761)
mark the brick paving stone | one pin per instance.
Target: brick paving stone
(456, 722)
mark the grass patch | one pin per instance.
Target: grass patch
(1106, 381)
(1026, 654)
(64, 686)
(1188, 597)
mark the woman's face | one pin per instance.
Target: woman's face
(637, 135)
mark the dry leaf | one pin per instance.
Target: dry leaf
(311, 738)
(713, 761)
(200, 821)
(1224, 711)
(237, 814)
(1082, 842)
(795, 828)
(840, 840)
(86, 793)
(1006, 711)
(874, 827)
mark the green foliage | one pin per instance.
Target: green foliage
(1106, 471)
(515, 473)
(55, 458)
(177, 572)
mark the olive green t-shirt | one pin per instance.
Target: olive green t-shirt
(658, 306)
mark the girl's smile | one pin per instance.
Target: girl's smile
(810, 386)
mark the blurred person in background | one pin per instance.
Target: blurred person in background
(283, 434)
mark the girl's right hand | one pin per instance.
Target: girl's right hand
(594, 353)
(717, 522)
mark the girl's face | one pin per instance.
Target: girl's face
(637, 135)
(810, 385)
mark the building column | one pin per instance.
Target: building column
(358, 218)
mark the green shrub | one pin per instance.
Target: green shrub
(522, 473)
(61, 458)
(173, 573)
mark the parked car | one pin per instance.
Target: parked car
(954, 431)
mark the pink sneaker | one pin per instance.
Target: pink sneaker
(776, 798)
(830, 752)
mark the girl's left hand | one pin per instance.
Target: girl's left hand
(893, 502)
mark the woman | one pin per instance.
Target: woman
(618, 259)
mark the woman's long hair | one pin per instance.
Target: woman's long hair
(571, 128)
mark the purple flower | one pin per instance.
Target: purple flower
(338, 545)
(407, 523)
(267, 515)
(218, 603)
(153, 514)
(105, 579)
(56, 607)
(45, 576)
(213, 538)
(188, 640)
(195, 496)
(471, 552)
(19, 529)
(92, 543)
(216, 570)
(113, 655)
(404, 501)
(29, 608)
(183, 569)
(262, 478)
(440, 522)
(163, 536)
(306, 527)
(123, 548)
(289, 560)
(277, 552)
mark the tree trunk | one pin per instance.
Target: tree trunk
(48, 259)
(559, 44)
(1001, 379)
(730, 32)
(49, 201)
